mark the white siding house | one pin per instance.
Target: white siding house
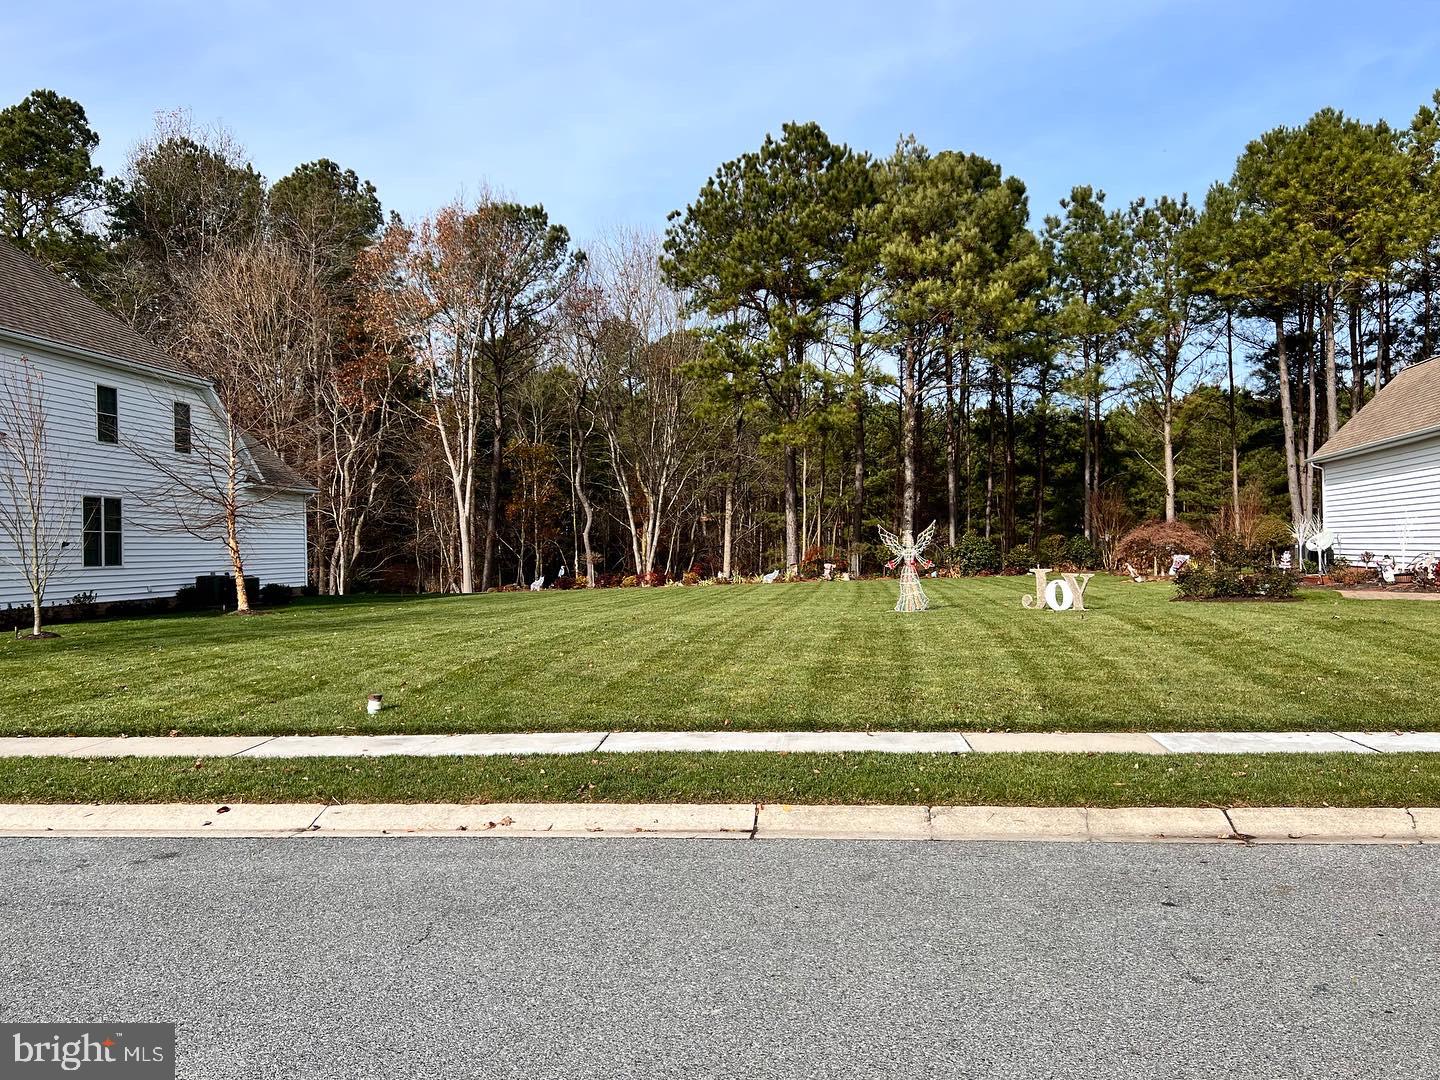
(1380, 474)
(122, 420)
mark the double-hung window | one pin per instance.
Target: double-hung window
(104, 545)
(107, 414)
(182, 427)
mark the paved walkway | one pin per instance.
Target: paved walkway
(1386, 594)
(625, 742)
(734, 821)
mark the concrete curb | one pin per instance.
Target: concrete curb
(631, 742)
(735, 821)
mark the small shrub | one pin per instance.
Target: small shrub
(1352, 576)
(1081, 553)
(976, 554)
(83, 605)
(690, 578)
(276, 595)
(189, 598)
(1202, 581)
(810, 562)
(1275, 583)
(1156, 542)
(1272, 534)
(629, 581)
(1019, 560)
(655, 578)
(1050, 551)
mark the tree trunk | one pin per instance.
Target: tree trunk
(792, 519)
(1007, 508)
(1357, 358)
(1042, 433)
(909, 407)
(1312, 418)
(1332, 395)
(492, 512)
(952, 449)
(1096, 432)
(1087, 511)
(990, 455)
(1287, 422)
(1167, 427)
(1234, 427)
(1382, 363)
(237, 563)
(965, 467)
(857, 511)
(1427, 339)
(232, 520)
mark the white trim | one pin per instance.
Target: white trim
(1379, 444)
(6, 334)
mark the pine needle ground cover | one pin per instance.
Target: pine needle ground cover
(809, 656)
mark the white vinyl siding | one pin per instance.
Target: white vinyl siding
(1386, 501)
(157, 557)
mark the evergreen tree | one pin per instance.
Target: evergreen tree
(760, 252)
(49, 186)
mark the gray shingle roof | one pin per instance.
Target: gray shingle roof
(273, 472)
(36, 301)
(1407, 405)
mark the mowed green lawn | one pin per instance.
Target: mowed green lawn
(811, 656)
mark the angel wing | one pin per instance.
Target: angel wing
(923, 540)
(891, 541)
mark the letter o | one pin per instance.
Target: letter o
(1059, 596)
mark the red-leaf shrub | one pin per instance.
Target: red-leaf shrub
(1154, 543)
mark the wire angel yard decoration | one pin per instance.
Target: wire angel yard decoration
(907, 557)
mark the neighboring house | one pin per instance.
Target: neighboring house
(1381, 471)
(120, 412)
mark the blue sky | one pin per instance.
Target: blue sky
(616, 113)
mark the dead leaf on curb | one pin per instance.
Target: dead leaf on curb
(223, 810)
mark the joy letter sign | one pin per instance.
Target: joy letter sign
(1065, 593)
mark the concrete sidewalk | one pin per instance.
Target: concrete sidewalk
(737, 821)
(628, 742)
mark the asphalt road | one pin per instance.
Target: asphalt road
(420, 958)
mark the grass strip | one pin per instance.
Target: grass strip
(1032, 779)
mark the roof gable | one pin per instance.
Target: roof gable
(37, 302)
(1409, 404)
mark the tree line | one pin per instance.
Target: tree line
(821, 342)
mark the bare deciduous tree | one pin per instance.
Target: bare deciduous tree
(468, 295)
(642, 395)
(252, 320)
(36, 504)
(358, 404)
(216, 492)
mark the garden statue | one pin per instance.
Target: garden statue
(907, 557)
